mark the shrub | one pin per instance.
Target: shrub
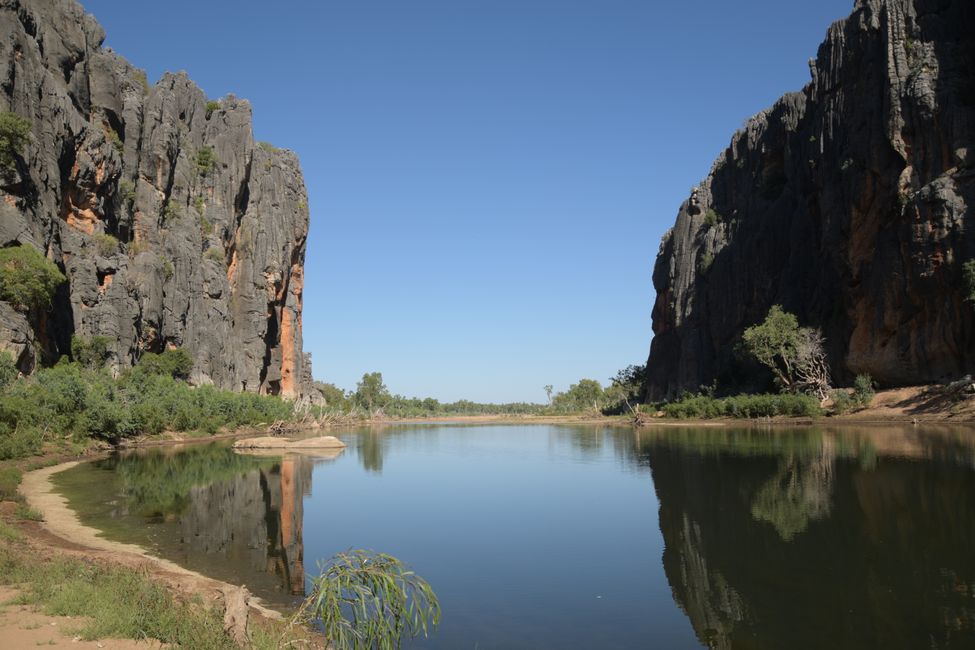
(205, 160)
(14, 132)
(126, 190)
(743, 406)
(168, 270)
(8, 368)
(216, 255)
(968, 279)
(27, 278)
(138, 246)
(106, 244)
(268, 147)
(176, 363)
(199, 205)
(212, 105)
(705, 262)
(711, 218)
(170, 211)
(140, 77)
(91, 352)
(842, 402)
(114, 139)
(863, 392)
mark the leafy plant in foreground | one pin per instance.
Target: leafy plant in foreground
(371, 600)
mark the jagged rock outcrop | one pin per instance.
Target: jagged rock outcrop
(847, 203)
(173, 226)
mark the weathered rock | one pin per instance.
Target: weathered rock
(210, 226)
(846, 203)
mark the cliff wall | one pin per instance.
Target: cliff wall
(850, 203)
(173, 226)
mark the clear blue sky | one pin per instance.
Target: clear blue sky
(488, 179)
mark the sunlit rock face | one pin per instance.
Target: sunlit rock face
(846, 203)
(173, 226)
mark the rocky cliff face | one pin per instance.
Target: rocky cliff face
(847, 203)
(173, 226)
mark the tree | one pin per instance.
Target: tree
(587, 394)
(14, 131)
(371, 392)
(548, 392)
(383, 598)
(795, 355)
(28, 280)
(625, 387)
(334, 396)
(91, 352)
(176, 363)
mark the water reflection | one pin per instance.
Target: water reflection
(768, 538)
(818, 538)
(231, 516)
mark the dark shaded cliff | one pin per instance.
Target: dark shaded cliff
(846, 203)
(173, 226)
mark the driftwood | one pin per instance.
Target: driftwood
(236, 612)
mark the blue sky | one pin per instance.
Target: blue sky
(488, 180)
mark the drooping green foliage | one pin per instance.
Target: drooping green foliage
(624, 390)
(14, 132)
(212, 106)
(28, 280)
(106, 244)
(367, 600)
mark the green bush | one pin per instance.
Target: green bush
(743, 406)
(28, 280)
(176, 363)
(711, 218)
(212, 106)
(8, 368)
(90, 352)
(105, 244)
(215, 254)
(205, 160)
(71, 402)
(842, 402)
(968, 277)
(863, 392)
(14, 132)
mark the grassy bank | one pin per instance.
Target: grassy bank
(115, 601)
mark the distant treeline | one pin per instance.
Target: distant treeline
(372, 397)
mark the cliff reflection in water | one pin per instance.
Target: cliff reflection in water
(818, 539)
(229, 516)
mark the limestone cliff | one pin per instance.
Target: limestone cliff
(173, 226)
(847, 203)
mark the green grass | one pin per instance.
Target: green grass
(118, 602)
(9, 480)
(27, 513)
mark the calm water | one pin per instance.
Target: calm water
(581, 537)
